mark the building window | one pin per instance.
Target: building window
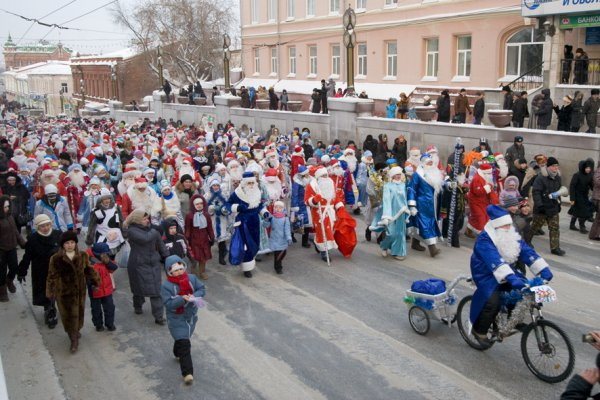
(257, 61)
(274, 60)
(392, 59)
(464, 56)
(362, 59)
(524, 52)
(64, 87)
(432, 46)
(361, 4)
(334, 6)
(292, 51)
(272, 10)
(335, 60)
(291, 6)
(389, 3)
(254, 11)
(310, 8)
(312, 57)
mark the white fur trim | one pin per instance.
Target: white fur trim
(538, 265)
(412, 203)
(236, 224)
(248, 266)
(487, 188)
(503, 220)
(502, 272)
(339, 205)
(320, 172)
(234, 208)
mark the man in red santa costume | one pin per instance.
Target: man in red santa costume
(435, 156)
(130, 173)
(320, 196)
(76, 183)
(140, 195)
(19, 158)
(186, 168)
(481, 194)
(49, 177)
(297, 159)
(273, 186)
(272, 161)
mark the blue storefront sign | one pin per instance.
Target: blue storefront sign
(592, 35)
(536, 8)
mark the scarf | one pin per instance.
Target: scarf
(199, 220)
(279, 214)
(185, 287)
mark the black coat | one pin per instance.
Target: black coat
(544, 113)
(145, 265)
(564, 117)
(443, 109)
(370, 145)
(399, 152)
(20, 200)
(38, 251)
(579, 191)
(508, 101)
(579, 389)
(542, 187)
(479, 109)
(316, 102)
(576, 115)
(520, 111)
(245, 99)
(273, 101)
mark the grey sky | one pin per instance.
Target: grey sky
(101, 35)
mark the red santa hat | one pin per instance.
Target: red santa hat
(498, 156)
(229, 156)
(431, 149)
(333, 163)
(187, 160)
(270, 153)
(271, 175)
(298, 150)
(485, 167)
(140, 183)
(320, 172)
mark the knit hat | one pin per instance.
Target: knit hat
(551, 161)
(104, 192)
(509, 201)
(41, 219)
(518, 139)
(100, 248)
(595, 91)
(498, 216)
(171, 261)
(367, 153)
(50, 188)
(185, 177)
(279, 203)
(67, 236)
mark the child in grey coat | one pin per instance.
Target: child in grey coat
(281, 235)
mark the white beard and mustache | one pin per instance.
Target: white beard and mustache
(503, 166)
(19, 159)
(489, 178)
(433, 176)
(235, 173)
(273, 163)
(39, 155)
(338, 171)
(352, 163)
(507, 243)
(187, 170)
(274, 189)
(77, 178)
(326, 188)
(49, 179)
(252, 195)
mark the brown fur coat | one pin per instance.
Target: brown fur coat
(67, 282)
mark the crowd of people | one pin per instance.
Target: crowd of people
(156, 196)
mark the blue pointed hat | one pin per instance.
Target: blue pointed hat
(498, 216)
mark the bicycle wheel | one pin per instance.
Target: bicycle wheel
(464, 324)
(547, 351)
(419, 320)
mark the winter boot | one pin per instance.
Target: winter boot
(188, 379)
(294, 238)
(433, 250)
(74, 336)
(3, 294)
(324, 256)
(10, 284)
(469, 233)
(202, 271)
(582, 226)
(222, 253)
(572, 224)
(368, 234)
(305, 240)
(248, 274)
(415, 245)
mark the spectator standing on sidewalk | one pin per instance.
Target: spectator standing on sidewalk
(595, 229)
(283, 100)
(508, 98)
(479, 108)
(461, 106)
(443, 107)
(544, 113)
(520, 111)
(9, 239)
(590, 110)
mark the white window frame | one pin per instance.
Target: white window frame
(254, 11)
(257, 61)
(312, 61)
(391, 65)
(274, 59)
(361, 5)
(291, 9)
(435, 58)
(311, 8)
(272, 9)
(519, 46)
(463, 54)
(390, 3)
(334, 7)
(362, 60)
(336, 60)
(292, 58)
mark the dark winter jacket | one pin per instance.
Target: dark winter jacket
(461, 104)
(590, 110)
(245, 102)
(564, 117)
(38, 251)
(382, 153)
(542, 187)
(370, 144)
(544, 113)
(520, 111)
(273, 100)
(513, 153)
(181, 326)
(579, 190)
(479, 109)
(145, 260)
(443, 108)
(508, 101)
(399, 152)
(579, 389)
(576, 115)
(20, 198)
(316, 102)
(9, 236)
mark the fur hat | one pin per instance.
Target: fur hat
(551, 161)
(41, 219)
(67, 236)
(394, 171)
(135, 217)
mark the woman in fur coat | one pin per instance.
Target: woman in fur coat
(199, 233)
(68, 274)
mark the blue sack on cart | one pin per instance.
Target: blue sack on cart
(429, 286)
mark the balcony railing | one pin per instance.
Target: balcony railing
(532, 79)
(580, 72)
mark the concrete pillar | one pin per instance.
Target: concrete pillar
(343, 113)
(157, 105)
(222, 106)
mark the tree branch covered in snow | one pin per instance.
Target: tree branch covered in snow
(189, 32)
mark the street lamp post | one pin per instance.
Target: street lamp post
(349, 22)
(82, 93)
(113, 77)
(160, 68)
(226, 57)
(62, 100)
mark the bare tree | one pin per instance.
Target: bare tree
(188, 32)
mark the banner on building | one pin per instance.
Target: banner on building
(538, 8)
(579, 21)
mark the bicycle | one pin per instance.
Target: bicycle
(545, 347)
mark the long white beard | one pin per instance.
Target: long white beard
(141, 200)
(433, 176)
(326, 188)
(436, 159)
(489, 178)
(49, 179)
(507, 243)
(77, 179)
(20, 160)
(503, 166)
(352, 163)
(187, 170)
(235, 174)
(253, 196)
(273, 163)
(338, 172)
(39, 155)
(274, 189)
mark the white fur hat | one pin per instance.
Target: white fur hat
(394, 171)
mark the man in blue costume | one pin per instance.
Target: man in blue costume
(246, 202)
(298, 207)
(424, 202)
(395, 211)
(493, 268)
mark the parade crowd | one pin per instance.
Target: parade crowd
(157, 196)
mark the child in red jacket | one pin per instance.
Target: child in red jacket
(101, 299)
